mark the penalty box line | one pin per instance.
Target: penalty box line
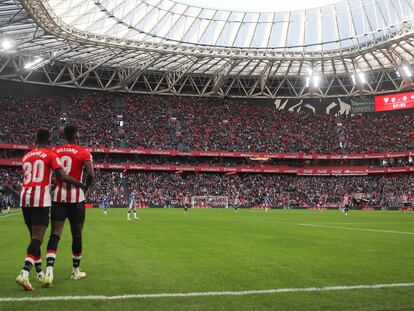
(207, 294)
(357, 229)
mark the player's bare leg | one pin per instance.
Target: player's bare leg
(135, 214)
(38, 262)
(56, 233)
(76, 230)
(22, 279)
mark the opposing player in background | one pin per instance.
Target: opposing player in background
(105, 204)
(404, 203)
(236, 203)
(267, 203)
(345, 204)
(35, 200)
(186, 204)
(69, 202)
(132, 206)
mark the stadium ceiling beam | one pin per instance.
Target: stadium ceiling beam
(133, 74)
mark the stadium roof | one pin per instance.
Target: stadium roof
(340, 25)
(346, 47)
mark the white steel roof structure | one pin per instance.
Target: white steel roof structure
(345, 48)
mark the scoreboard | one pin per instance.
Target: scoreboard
(394, 102)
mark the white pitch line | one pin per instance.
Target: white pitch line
(206, 294)
(8, 215)
(364, 223)
(358, 229)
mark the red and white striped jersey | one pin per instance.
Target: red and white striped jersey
(73, 158)
(38, 166)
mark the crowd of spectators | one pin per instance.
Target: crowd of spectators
(95, 116)
(242, 126)
(22, 116)
(147, 123)
(379, 133)
(202, 124)
(166, 189)
(11, 177)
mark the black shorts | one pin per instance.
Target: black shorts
(75, 212)
(36, 216)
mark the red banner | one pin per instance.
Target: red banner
(312, 171)
(233, 154)
(394, 102)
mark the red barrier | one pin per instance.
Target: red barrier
(313, 171)
(233, 154)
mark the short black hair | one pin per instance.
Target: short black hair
(42, 136)
(70, 132)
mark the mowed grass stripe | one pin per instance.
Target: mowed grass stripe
(357, 229)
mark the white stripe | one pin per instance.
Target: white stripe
(81, 195)
(77, 257)
(55, 194)
(30, 259)
(358, 229)
(50, 255)
(204, 294)
(63, 193)
(36, 196)
(8, 215)
(47, 198)
(73, 194)
(28, 194)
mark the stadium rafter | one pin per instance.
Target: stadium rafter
(97, 60)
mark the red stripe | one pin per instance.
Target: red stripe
(31, 256)
(32, 196)
(42, 196)
(77, 255)
(24, 197)
(68, 193)
(51, 251)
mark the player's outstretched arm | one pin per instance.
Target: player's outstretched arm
(61, 174)
(90, 178)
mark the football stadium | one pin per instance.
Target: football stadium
(207, 155)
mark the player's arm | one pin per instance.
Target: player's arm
(61, 174)
(90, 178)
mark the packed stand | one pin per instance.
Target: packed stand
(188, 123)
(95, 116)
(379, 133)
(22, 116)
(147, 123)
(242, 126)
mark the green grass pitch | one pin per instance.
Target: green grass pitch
(220, 250)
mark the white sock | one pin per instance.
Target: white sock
(135, 214)
(49, 270)
(25, 273)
